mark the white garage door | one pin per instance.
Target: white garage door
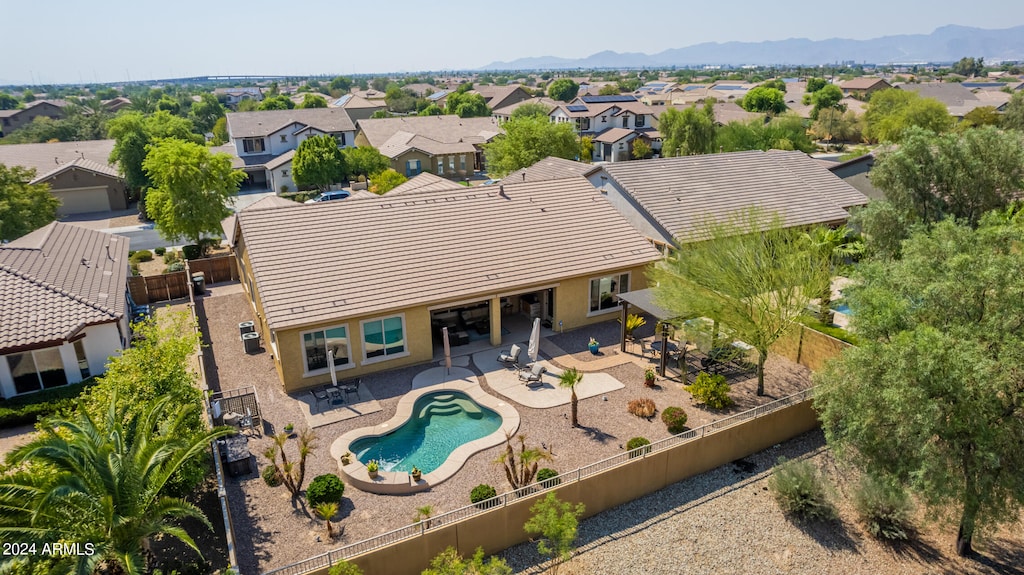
(82, 200)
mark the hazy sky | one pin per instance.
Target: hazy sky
(59, 41)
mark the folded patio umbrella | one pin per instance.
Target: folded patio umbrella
(534, 346)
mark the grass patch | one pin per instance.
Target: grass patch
(836, 332)
(27, 409)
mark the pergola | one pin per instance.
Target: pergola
(644, 300)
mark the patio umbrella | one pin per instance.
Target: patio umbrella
(534, 346)
(447, 351)
(330, 363)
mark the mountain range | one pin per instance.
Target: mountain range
(945, 44)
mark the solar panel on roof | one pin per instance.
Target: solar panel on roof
(607, 99)
(576, 108)
(730, 87)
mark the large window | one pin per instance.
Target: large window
(316, 344)
(384, 337)
(35, 370)
(639, 122)
(603, 291)
(253, 145)
(412, 168)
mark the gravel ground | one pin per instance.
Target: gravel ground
(273, 530)
(725, 521)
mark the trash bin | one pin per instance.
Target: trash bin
(246, 327)
(199, 283)
(251, 341)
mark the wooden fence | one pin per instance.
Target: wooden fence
(174, 285)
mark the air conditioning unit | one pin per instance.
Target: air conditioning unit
(252, 342)
(246, 327)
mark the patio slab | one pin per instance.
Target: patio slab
(330, 413)
(505, 381)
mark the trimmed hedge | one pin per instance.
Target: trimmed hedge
(548, 477)
(836, 332)
(636, 443)
(674, 419)
(27, 409)
(480, 495)
(325, 489)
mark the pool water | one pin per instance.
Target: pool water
(842, 308)
(440, 423)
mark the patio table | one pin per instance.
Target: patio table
(335, 395)
(656, 346)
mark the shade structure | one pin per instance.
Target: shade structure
(330, 363)
(534, 348)
(447, 351)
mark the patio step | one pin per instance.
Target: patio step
(470, 407)
(432, 410)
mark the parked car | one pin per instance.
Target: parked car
(328, 196)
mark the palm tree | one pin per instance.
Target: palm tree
(100, 481)
(834, 245)
(569, 378)
(326, 511)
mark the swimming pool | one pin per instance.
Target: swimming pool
(842, 308)
(440, 423)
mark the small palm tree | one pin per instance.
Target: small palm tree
(100, 481)
(833, 245)
(326, 511)
(423, 514)
(570, 378)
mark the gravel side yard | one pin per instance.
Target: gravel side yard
(726, 522)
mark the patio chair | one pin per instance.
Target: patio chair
(318, 396)
(533, 375)
(351, 386)
(512, 357)
(646, 349)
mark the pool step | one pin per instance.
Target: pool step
(451, 404)
(432, 410)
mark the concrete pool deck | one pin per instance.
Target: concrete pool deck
(432, 380)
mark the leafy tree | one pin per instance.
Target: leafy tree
(775, 84)
(386, 181)
(220, 131)
(23, 207)
(891, 112)
(8, 102)
(833, 124)
(627, 85)
(318, 162)
(344, 567)
(563, 89)
(191, 189)
(834, 245)
(827, 98)
(530, 110)
(28, 96)
(609, 90)
(815, 84)
(762, 99)
(205, 113)
(400, 100)
(883, 227)
(785, 132)
(279, 102)
(273, 89)
(748, 272)
(980, 116)
(556, 521)
(687, 132)
(586, 149)
(1013, 116)
(449, 562)
(969, 67)
(168, 104)
(380, 114)
(527, 141)
(641, 149)
(467, 105)
(133, 132)
(431, 110)
(932, 398)
(250, 105)
(103, 484)
(313, 101)
(569, 379)
(962, 175)
(365, 160)
(379, 83)
(341, 84)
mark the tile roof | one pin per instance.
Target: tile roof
(612, 135)
(546, 102)
(448, 129)
(862, 83)
(45, 158)
(280, 160)
(389, 253)
(550, 168)
(425, 182)
(266, 122)
(680, 193)
(356, 102)
(80, 164)
(951, 94)
(58, 279)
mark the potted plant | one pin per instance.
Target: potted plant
(649, 377)
(594, 346)
(346, 458)
(289, 428)
(372, 468)
(416, 473)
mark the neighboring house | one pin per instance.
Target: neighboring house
(668, 198)
(550, 168)
(11, 120)
(472, 259)
(79, 173)
(370, 94)
(63, 302)
(357, 108)
(862, 88)
(260, 139)
(597, 116)
(958, 99)
(856, 172)
(117, 104)
(425, 182)
(502, 96)
(504, 114)
(234, 96)
(448, 145)
(614, 145)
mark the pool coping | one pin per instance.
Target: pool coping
(400, 482)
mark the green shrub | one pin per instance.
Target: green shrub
(885, 509)
(449, 562)
(635, 443)
(206, 245)
(325, 489)
(141, 256)
(27, 409)
(548, 477)
(711, 390)
(192, 252)
(482, 493)
(271, 476)
(175, 267)
(800, 490)
(171, 257)
(160, 251)
(836, 332)
(345, 568)
(675, 419)
(134, 267)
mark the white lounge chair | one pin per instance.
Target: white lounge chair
(533, 375)
(512, 357)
